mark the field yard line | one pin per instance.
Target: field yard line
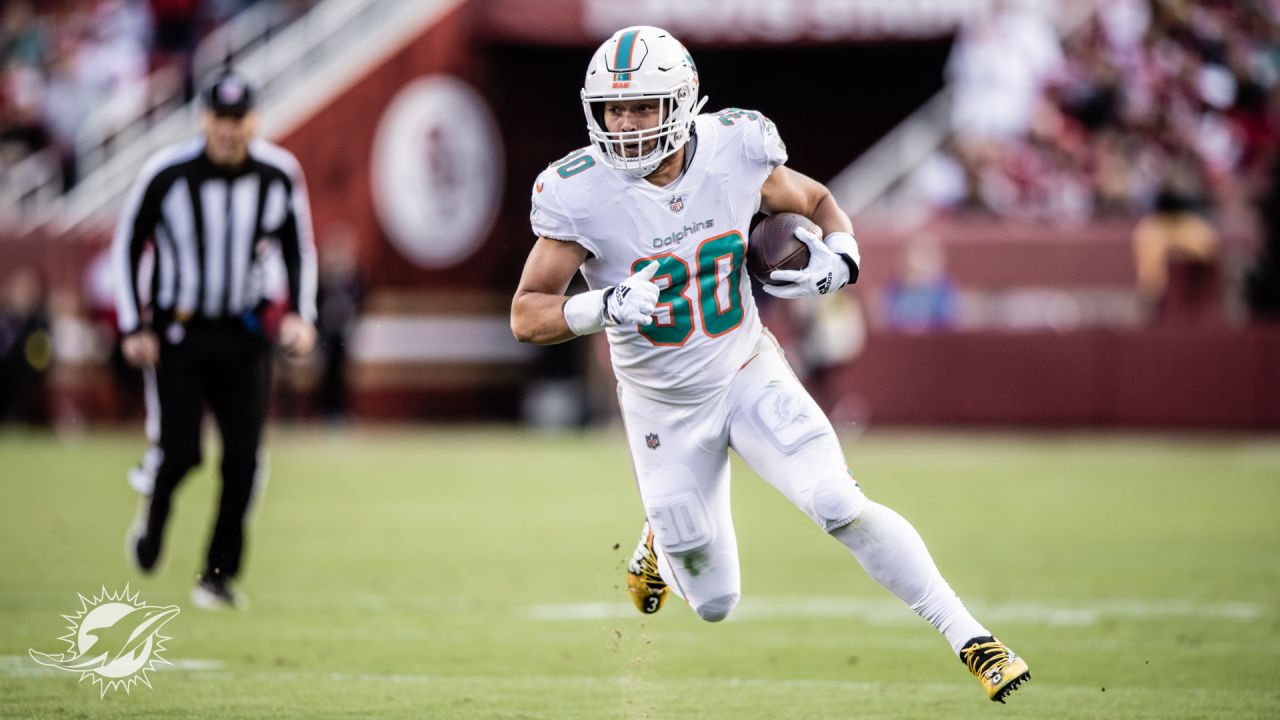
(24, 666)
(192, 664)
(890, 612)
(609, 680)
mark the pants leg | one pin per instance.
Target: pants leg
(151, 403)
(681, 463)
(240, 387)
(142, 477)
(783, 435)
(180, 392)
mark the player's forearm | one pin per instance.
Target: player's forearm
(838, 231)
(829, 216)
(538, 318)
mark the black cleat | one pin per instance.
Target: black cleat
(141, 549)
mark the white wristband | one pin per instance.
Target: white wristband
(584, 312)
(847, 248)
(843, 242)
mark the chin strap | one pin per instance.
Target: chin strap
(690, 148)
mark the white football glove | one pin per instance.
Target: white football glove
(633, 300)
(833, 263)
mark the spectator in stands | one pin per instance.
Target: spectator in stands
(21, 129)
(998, 68)
(67, 102)
(340, 295)
(26, 349)
(922, 297)
(113, 61)
(176, 33)
(61, 61)
(22, 34)
(23, 42)
(1263, 285)
(1139, 84)
(1175, 249)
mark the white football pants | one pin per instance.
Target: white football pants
(681, 458)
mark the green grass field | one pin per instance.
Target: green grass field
(422, 573)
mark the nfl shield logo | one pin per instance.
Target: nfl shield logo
(652, 441)
(677, 203)
(230, 91)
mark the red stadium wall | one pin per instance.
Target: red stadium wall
(335, 144)
(1205, 372)
(1194, 376)
(1168, 377)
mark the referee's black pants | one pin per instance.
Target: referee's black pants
(228, 367)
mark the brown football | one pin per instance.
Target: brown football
(774, 246)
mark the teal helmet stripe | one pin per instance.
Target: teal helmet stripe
(622, 58)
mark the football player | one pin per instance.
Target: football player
(655, 212)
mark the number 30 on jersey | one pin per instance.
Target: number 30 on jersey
(717, 284)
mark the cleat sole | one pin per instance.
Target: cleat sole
(1008, 689)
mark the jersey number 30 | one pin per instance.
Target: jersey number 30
(718, 285)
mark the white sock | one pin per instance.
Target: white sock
(894, 555)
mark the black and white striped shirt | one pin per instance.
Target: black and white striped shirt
(205, 223)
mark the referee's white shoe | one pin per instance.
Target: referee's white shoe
(214, 592)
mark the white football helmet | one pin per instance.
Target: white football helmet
(642, 62)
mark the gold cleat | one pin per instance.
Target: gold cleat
(645, 586)
(996, 666)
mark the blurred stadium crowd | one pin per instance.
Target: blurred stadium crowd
(1149, 104)
(62, 59)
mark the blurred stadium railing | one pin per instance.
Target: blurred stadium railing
(294, 63)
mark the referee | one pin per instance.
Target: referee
(208, 210)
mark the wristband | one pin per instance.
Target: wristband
(584, 312)
(847, 248)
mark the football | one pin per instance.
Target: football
(774, 246)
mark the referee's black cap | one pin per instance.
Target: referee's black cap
(230, 94)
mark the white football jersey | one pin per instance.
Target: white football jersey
(706, 325)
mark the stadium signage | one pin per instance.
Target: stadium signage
(437, 171)
(736, 21)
